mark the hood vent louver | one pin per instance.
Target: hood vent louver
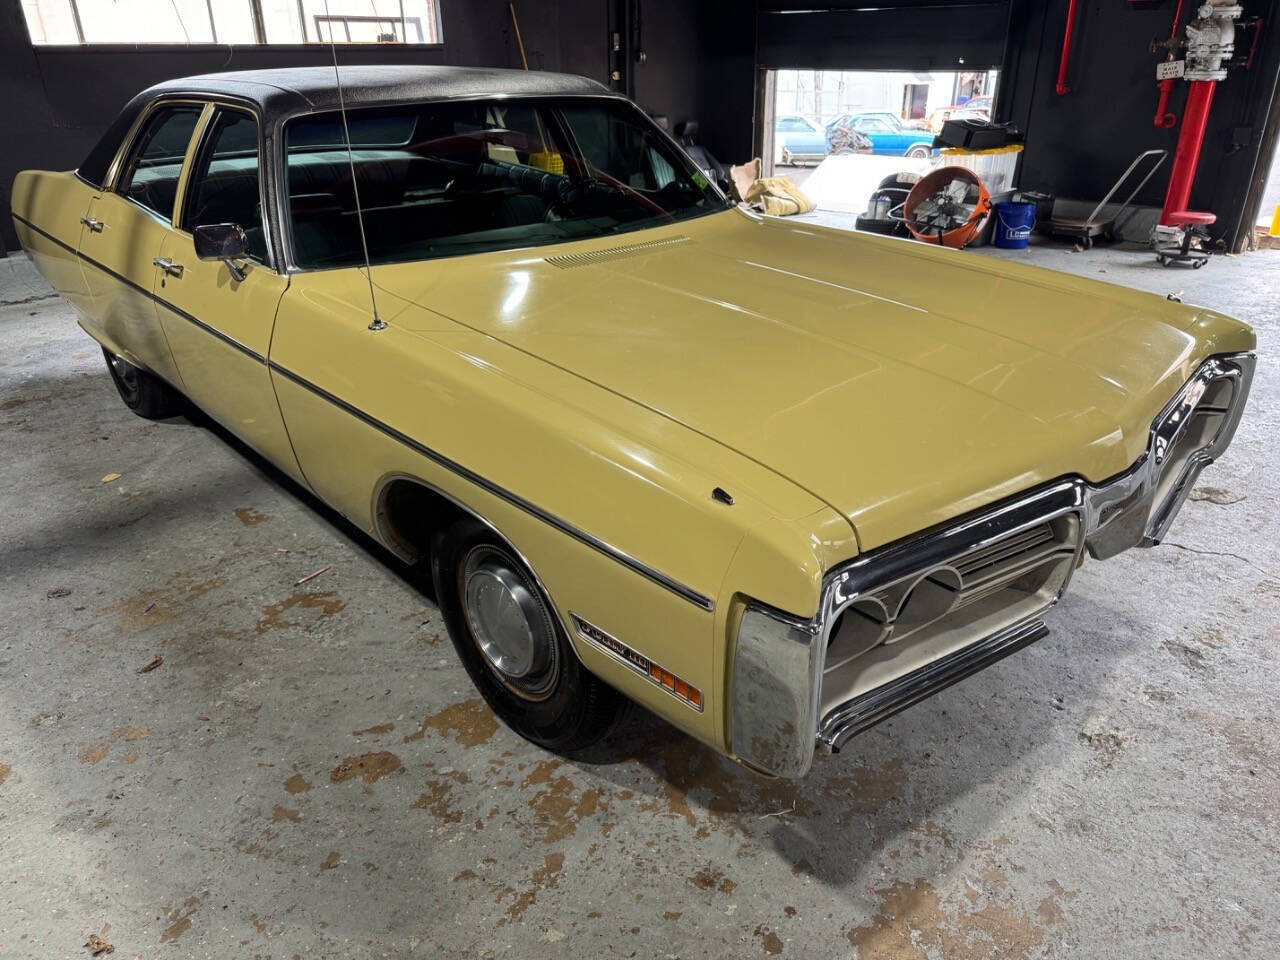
(570, 260)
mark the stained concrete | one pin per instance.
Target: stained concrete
(309, 773)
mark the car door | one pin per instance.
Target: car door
(218, 316)
(781, 129)
(882, 138)
(124, 228)
(902, 138)
(790, 131)
(810, 141)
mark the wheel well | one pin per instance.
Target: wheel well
(409, 514)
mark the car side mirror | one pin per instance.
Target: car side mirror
(222, 241)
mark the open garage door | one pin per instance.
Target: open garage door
(868, 84)
(839, 134)
(882, 34)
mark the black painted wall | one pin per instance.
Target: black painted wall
(1078, 144)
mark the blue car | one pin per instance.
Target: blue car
(889, 136)
(799, 139)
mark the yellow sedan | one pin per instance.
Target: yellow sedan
(772, 481)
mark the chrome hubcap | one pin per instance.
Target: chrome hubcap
(125, 371)
(509, 623)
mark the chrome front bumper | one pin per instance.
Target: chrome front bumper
(777, 715)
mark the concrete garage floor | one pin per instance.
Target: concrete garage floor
(309, 773)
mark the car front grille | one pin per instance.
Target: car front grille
(928, 613)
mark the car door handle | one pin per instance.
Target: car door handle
(95, 226)
(168, 266)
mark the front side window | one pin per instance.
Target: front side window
(155, 162)
(224, 183)
(443, 179)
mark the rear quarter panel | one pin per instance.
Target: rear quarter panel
(47, 208)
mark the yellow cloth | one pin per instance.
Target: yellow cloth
(778, 197)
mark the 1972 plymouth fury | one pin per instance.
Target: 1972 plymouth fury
(773, 481)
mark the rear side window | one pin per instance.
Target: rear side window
(95, 166)
(224, 186)
(151, 177)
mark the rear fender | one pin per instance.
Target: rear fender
(47, 210)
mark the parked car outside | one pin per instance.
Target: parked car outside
(975, 108)
(798, 140)
(887, 115)
(772, 480)
(889, 136)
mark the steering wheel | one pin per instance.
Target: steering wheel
(596, 179)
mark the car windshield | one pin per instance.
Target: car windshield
(443, 179)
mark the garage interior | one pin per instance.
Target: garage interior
(205, 753)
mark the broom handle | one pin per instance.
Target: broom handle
(519, 39)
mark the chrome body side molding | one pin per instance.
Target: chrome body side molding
(614, 553)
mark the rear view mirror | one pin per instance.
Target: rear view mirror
(222, 241)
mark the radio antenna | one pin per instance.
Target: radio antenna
(378, 323)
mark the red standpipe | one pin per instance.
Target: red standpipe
(1062, 87)
(1190, 140)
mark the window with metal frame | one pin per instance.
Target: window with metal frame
(224, 186)
(80, 22)
(150, 177)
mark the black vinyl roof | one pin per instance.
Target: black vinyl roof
(298, 89)
(283, 92)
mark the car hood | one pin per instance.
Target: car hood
(901, 384)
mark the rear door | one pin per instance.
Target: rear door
(812, 141)
(124, 229)
(217, 316)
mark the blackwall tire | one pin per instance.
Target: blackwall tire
(144, 393)
(540, 689)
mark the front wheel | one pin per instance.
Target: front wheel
(918, 153)
(144, 393)
(512, 643)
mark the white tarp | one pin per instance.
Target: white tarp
(844, 182)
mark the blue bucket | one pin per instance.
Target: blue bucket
(1014, 220)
